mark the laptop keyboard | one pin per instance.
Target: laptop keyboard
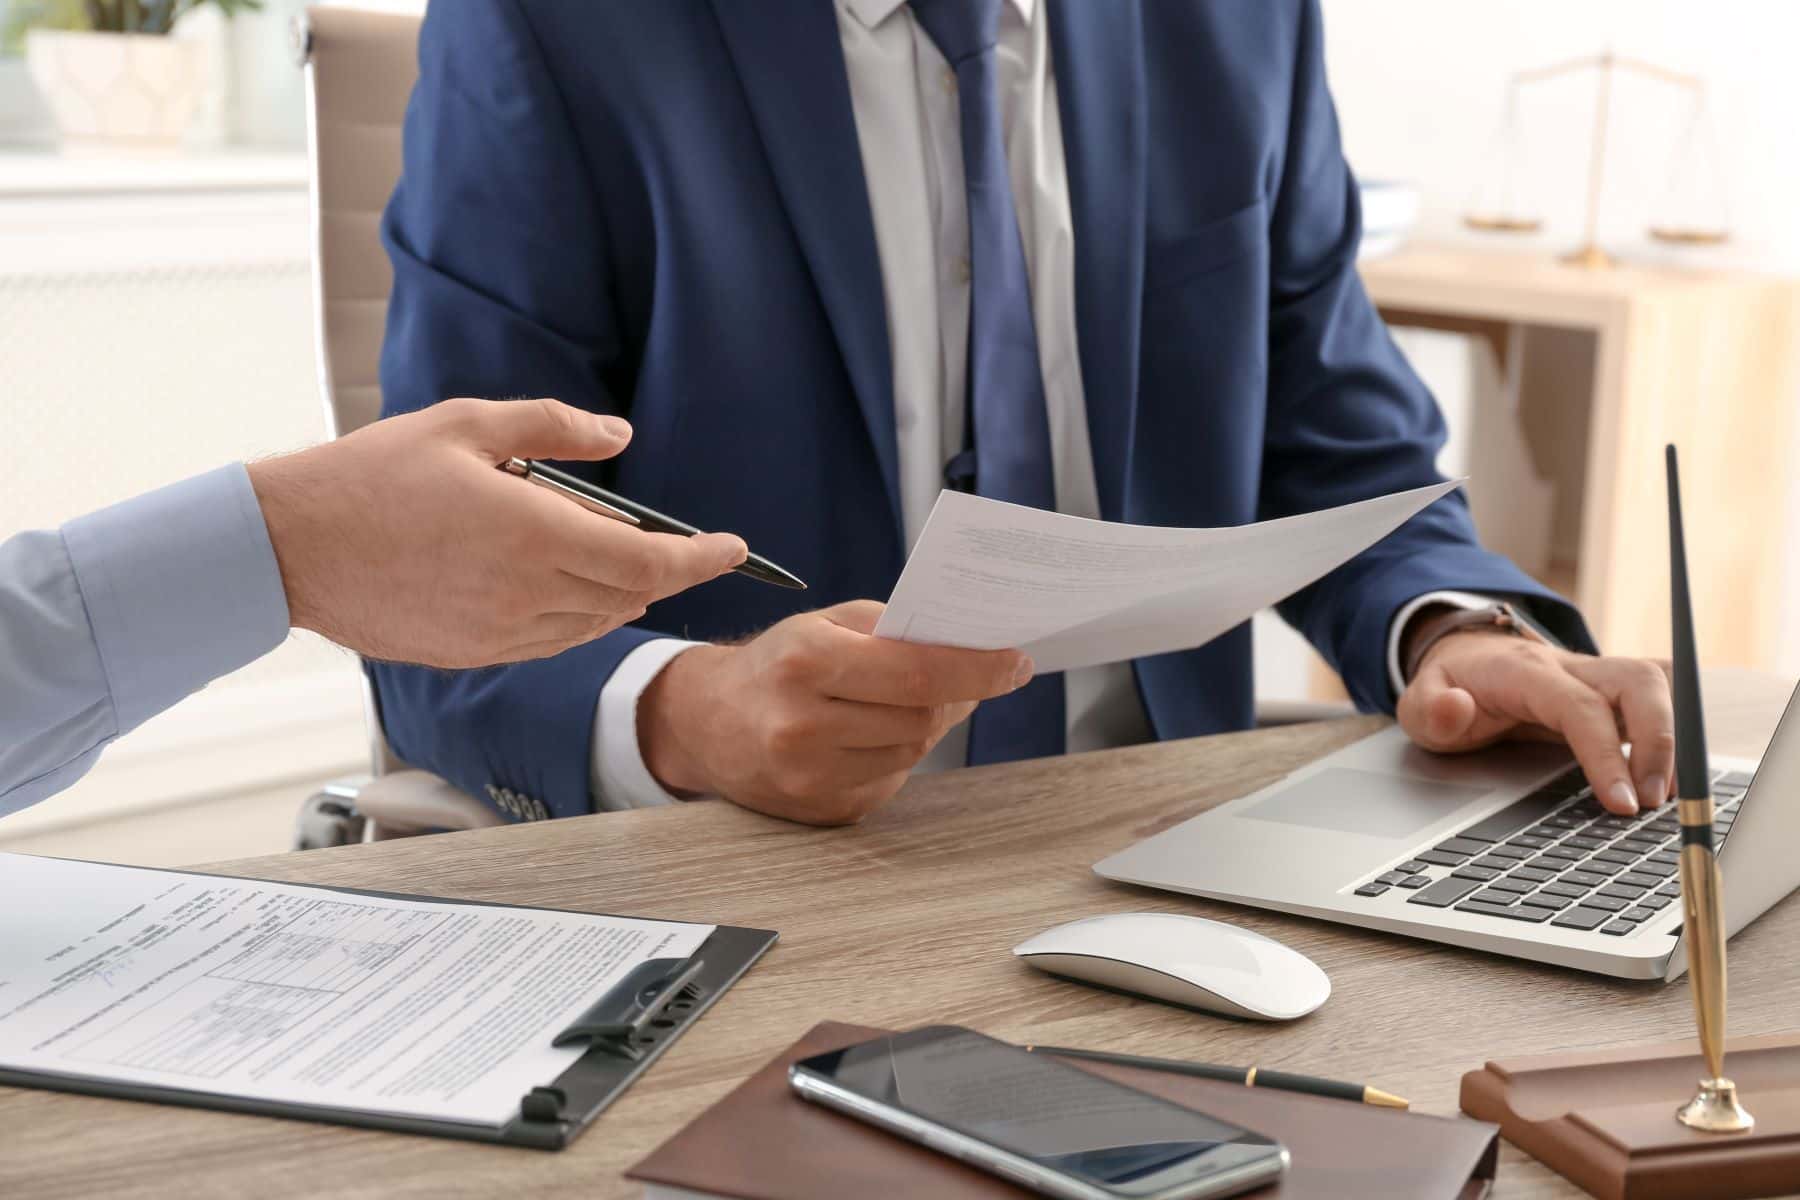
(1557, 857)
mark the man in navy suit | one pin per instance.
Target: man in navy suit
(829, 256)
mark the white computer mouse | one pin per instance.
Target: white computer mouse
(1184, 960)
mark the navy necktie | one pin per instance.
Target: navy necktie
(1008, 435)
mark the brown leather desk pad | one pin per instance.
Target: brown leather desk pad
(762, 1142)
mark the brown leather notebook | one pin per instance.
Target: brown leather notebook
(762, 1142)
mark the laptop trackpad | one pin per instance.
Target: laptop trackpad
(1366, 802)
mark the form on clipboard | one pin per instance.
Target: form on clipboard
(464, 1019)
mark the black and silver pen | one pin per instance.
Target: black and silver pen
(610, 504)
(1248, 1076)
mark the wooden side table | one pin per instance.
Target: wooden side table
(1608, 365)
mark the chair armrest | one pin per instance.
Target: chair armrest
(362, 808)
(404, 803)
(329, 817)
(1298, 712)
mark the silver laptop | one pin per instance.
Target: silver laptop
(1505, 850)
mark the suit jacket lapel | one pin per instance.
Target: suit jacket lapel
(791, 64)
(1098, 53)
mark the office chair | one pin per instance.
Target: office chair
(360, 68)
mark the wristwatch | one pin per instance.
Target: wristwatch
(1498, 617)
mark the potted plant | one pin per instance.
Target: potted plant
(110, 70)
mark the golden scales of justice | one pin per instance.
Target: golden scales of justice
(1696, 142)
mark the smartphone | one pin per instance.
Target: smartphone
(1036, 1120)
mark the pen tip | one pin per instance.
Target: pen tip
(1384, 1099)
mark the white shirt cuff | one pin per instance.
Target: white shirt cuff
(618, 776)
(1403, 618)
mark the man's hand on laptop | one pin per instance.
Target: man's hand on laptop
(815, 719)
(1476, 688)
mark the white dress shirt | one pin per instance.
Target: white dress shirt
(907, 122)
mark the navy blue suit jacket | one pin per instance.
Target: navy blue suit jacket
(658, 210)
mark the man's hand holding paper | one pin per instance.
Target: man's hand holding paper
(822, 717)
(816, 719)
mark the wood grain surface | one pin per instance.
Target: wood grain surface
(904, 920)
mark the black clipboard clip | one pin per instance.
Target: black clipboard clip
(619, 1018)
(616, 1023)
(624, 1032)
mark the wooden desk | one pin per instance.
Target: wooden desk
(905, 920)
(1605, 367)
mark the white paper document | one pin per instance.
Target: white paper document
(300, 995)
(1072, 592)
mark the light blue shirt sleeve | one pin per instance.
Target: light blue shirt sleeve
(118, 615)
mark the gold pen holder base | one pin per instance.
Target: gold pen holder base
(1590, 258)
(1715, 1109)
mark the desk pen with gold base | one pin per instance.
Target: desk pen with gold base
(1715, 1108)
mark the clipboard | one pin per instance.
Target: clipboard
(626, 1030)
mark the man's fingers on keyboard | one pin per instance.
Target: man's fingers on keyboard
(1640, 692)
(1587, 720)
